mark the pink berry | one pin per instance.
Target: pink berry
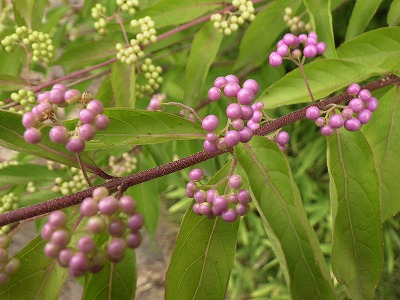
(220, 82)
(96, 106)
(211, 137)
(89, 207)
(128, 204)
(238, 124)
(320, 121)
(252, 85)
(116, 228)
(214, 94)
(196, 174)
(353, 89)
(232, 138)
(58, 134)
(289, 39)
(231, 89)
(336, 121)
(372, 104)
(220, 203)
(282, 147)
(229, 215)
(196, 208)
(64, 257)
(60, 237)
(311, 41)
(133, 240)
(245, 135)
(32, 135)
(245, 96)
(57, 96)
(364, 95)
(86, 132)
(302, 38)
(210, 195)
(72, 96)
(296, 53)
(347, 112)
(282, 50)
(135, 222)
(51, 250)
(87, 116)
(210, 147)
(78, 265)
(312, 113)
(108, 205)
(364, 116)
(356, 104)
(45, 96)
(235, 181)
(327, 130)
(310, 51)
(247, 112)
(234, 111)
(29, 119)
(321, 47)
(199, 196)
(275, 59)
(282, 138)
(232, 78)
(75, 144)
(59, 86)
(95, 225)
(47, 231)
(205, 208)
(221, 144)
(57, 219)
(243, 196)
(313, 35)
(101, 122)
(352, 124)
(210, 123)
(242, 209)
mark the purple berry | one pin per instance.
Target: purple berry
(60, 238)
(101, 122)
(87, 116)
(243, 196)
(229, 215)
(232, 138)
(96, 106)
(282, 50)
(210, 195)
(352, 124)
(211, 137)
(252, 85)
(199, 196)
(245, 134)
(282, 138)
(29, 119)
(247, 112)
(289, 39)
(86, 132)
(302, 38)
(95, 225)
(372, 104)
(327, 130)
(108, 205)
(257, 116)
(233, 199)
(127, 204)
(59, 86)
(72, 96)
(205, 208)
(154, 104)
(57, 96)
(242, 209)
(313, 35)
(220, 203)
(312, 113)
(311, 41)
(245, 96)
(353, 89)
(275, 59)
(196, 208)
(210, 147)
(75, 144)
(347, 112)
(259, 106)
(51, 250)
(116, 249)
(232, 78)
(235, 181)
(364, 95)
(364, 116)
(99, 193)
(310, 51)
(214, 94)
(57, 219)
(231, 89)
(135, 222)
(196, 174)
(282, 147)
(238, 124)
(78, 265)
(133, 240)
(356, 104)
(86, 244)
(45, 96)
(220, 82)
(116, 228)
(58, 134)
(320, 121)
(215, 211)
(47, 231)
(253, 126)
(234, 111)
(32, 135)
(296, 53)
(221, 144)
(336, 121)
(64, 257)
(89, 207)
(321, 47)
(210, 123)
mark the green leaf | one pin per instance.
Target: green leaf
(393, 16)
(115, 281)
(384, 143)
(24, 173)
(279, 204)
(12, 137)
(376, 48)
(85, 54)
(123, 83)
(139, 127)
(324, 77)
(357, 235)
(168, 13)
(321, 19)
(53, 17)
(204, 49)
(255, 43)
(363, 12)
(10, 83)
(29, 13)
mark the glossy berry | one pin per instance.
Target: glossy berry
(372, 104)
(364, 116)
(95, 224)
(252, 85)
(87, 116)
(57, 96)
(96, 106)
(320, 121)
(58, 134)
(232, 78)
(127, 204)
(327, 130)
(89, 207)
(220, 82)
(245, 96)
(310, 51)
(289, 39)
(282, 138)
(232, 138)
(101, 122)
(347, 112)
(199, 196)
(312, 113)
(78, 265)
(133, 240)
(282, 50)
(352, 124)
(116, 249)
(235, 181)
(245, 134)
(242, 209)
(209, 147)
(336, 121)
(60, 238)
(210, 123)
(29, 119)
(86, 132)
(321, 47)
(234, 111)
(356, 104)
(243, 196)
(353, 89)
(135, 222)
(196, 174)
(364, 95)
(220, 203)
(229, 215)
(247, 112)
(32, 135)
(275, 59)
(57, 218)
(108, 205)
(116, 228)
(75, 144)
(72, 96)
(231, 89)
(214, 94)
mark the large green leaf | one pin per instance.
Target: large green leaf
(204, 49)
(10, 83)
(377, 48)
(123, 84)
(255, 43)
(383, 134)
(279, 204)
(203, 256)
(324, 76)
(321, 18)
(23, 173)
(363, 12)
(138, 127)
(357, 234)
(115, 281)
(393, 16)
(29, 13)
(12, 137)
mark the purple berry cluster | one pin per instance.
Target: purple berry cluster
(117, 217)
(8, 265)
(90, 118)
(210, 204)
(289, 47)
(244, 116)
(155, 101)
(352, 117)
(282, 139)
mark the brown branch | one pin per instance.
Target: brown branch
(117, 183)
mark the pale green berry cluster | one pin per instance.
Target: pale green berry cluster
(8, 202)
(230, 21)
(152, 75)
(128, 5)
(130, 54)
(66, 187)
(31, 188)
(8, 263)
(7, 163)
(126, 165)
(39, 44)
(147, 32)
(26, 99)
(295, 23)
(99, 15)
